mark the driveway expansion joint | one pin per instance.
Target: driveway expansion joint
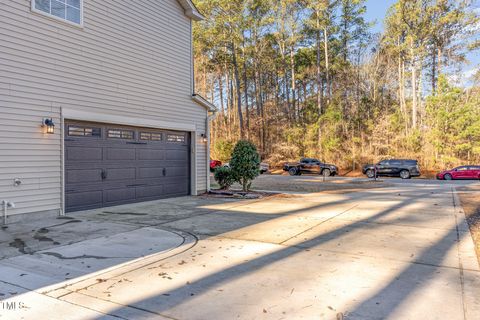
(456, 203)
(319, 224)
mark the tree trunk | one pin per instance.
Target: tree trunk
(255, 89)
(292, 70)
(285, 82)
(357, 85)
(319, 75)
(327, 66)
(403, 97)
(227, 85)
(245, 84)
(400, 85)
(434, 71)
(231, 112)
(419, 93)
(238, 90)
(414, 94)
(220, 90)
(439, 59)
(204, 92)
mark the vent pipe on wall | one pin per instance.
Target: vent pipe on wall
(5, 204)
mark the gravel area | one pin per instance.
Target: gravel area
(310, 183)
(470, 198)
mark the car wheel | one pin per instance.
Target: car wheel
(292, 171)
(326, 172)
(448, 176)
(370, 173)
(405, 174)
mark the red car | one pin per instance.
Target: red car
(463, 172)
(215, 164)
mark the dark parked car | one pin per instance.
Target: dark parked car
(463, 172)
(264, 167)
(309, 165)
(402, 168)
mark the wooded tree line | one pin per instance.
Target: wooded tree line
(309, 78)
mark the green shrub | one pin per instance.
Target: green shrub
(224, 177)
(222, 149)
(245, 163)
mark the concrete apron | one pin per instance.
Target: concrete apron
(31, 279)
(366, 255)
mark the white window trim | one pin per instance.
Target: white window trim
(51, 16)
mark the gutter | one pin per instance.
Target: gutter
(204, 102)
(191, 10)
(194, 15)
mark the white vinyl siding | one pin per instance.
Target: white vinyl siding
(131, 59)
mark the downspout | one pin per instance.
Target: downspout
(210, 117)
(62, 164)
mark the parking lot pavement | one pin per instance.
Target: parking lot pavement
(402, 251)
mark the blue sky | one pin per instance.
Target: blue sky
(376, 11)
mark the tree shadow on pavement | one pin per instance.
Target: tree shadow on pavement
(380, 305)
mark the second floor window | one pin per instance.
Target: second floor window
(67, 10)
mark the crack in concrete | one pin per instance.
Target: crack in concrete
(64, 223)
(85, 256)
(127, 213)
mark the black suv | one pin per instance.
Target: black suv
(309, 165)
(402, 168)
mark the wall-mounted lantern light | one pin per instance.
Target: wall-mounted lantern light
(49, 125)
(204, 137)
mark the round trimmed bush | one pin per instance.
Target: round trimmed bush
(245, 163)
(224, 177)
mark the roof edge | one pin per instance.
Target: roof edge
(204, 103)
(191, 10)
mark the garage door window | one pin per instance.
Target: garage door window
(150, 136)
(78, 131)
(176, 138)
(120, 134)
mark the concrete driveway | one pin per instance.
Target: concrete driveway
(399, 252)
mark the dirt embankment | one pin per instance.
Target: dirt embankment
(470, 199)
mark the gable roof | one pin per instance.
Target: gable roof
(190, 10)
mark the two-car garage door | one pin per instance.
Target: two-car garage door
(108, 165)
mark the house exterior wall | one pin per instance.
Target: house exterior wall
(130, 60)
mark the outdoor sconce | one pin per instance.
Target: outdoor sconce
(204, 137)
(49, 125)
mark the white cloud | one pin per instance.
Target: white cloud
(463, 78)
